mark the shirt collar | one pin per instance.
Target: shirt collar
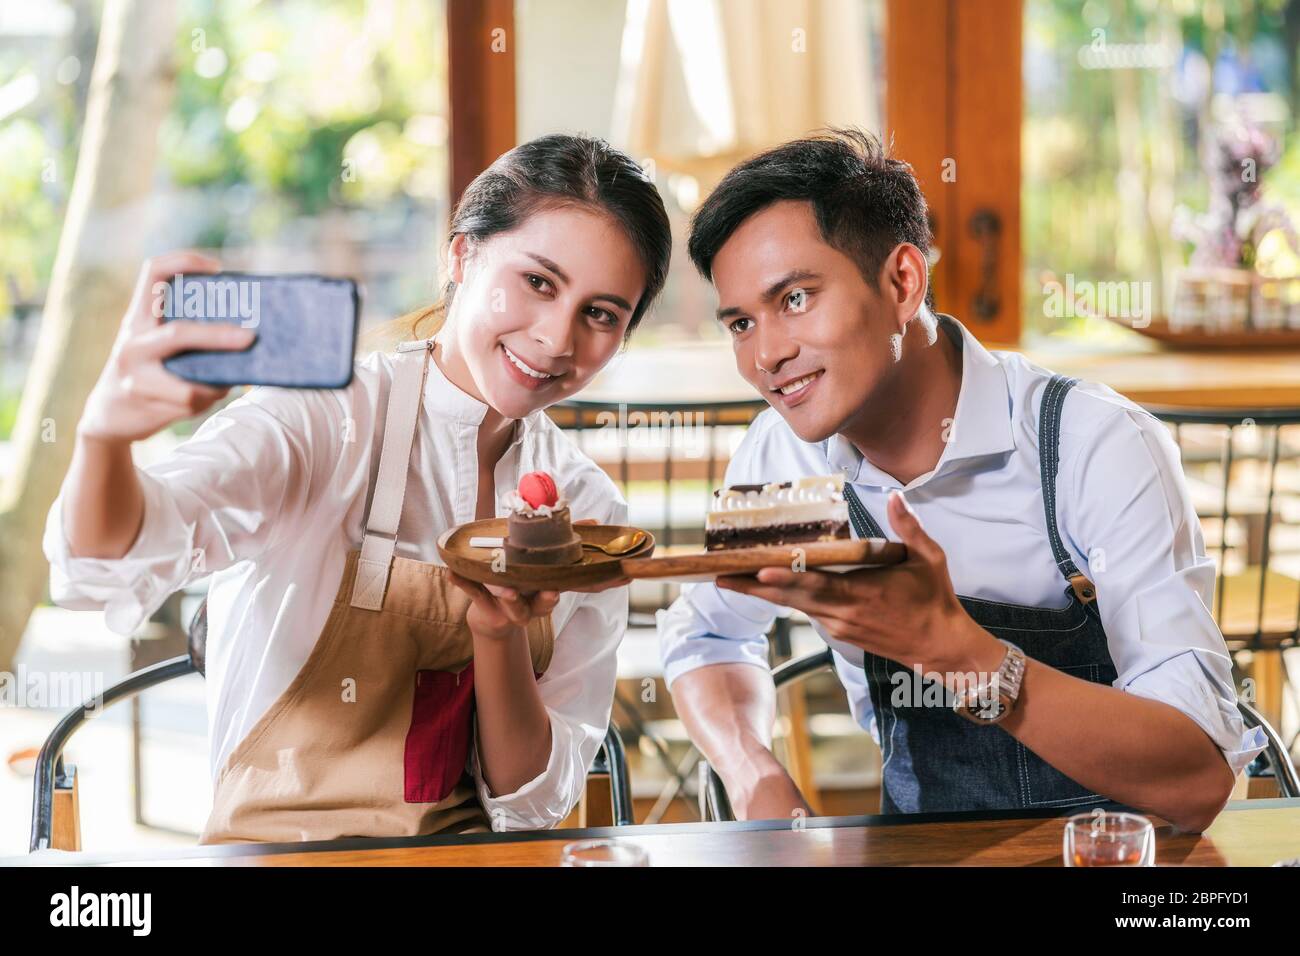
(450, 401)
(981, 424)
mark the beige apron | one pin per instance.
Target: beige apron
(372, 736)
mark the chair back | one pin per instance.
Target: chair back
(1243, 472)
(55, 811)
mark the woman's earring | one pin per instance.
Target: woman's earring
(896, 346)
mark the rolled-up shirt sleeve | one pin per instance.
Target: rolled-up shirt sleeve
(1135, 526)
(577, 690)
(224, 495)
(706, 625)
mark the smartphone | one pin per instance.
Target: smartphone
(306, 327)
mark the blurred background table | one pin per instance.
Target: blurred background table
(705, 372)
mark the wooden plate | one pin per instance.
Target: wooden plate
(594, 568)
(824, 555)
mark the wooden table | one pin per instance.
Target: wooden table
(1229, 379)
(1220, 378)
(1247, 833)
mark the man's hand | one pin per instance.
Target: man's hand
(728, 710)
(769, 795)
(907, 613)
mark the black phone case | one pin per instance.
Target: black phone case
(306, 333)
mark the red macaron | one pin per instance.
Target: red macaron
(538, 488)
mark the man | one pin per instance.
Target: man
(1014, 493)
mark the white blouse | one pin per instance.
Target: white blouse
(269, 495)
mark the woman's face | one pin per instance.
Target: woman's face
(538, 311)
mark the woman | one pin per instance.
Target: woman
(355, 687)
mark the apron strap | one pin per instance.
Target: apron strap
(404, 401)
(1049, 458)
(859, 516)
(863, 523)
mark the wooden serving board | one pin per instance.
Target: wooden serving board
(486, 566)
(823, 555)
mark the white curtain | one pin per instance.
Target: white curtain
(705, 83)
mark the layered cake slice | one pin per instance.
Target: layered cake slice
(538, 527)
(791, 512)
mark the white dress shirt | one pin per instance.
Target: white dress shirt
(270, 494)
(1124, 515)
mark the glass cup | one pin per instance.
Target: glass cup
(603, 853)
(1101, 838)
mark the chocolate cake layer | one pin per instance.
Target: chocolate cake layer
(777, 513)
(722, 539)
(542, 539)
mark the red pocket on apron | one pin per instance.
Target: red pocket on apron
(438, 741)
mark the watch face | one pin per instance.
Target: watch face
(991, 708)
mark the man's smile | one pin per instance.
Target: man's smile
(792, 391)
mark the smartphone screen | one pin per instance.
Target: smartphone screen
(306, 327)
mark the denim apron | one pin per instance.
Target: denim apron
(935, 760)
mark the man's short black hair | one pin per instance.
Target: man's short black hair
(865, 201)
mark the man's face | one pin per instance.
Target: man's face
(808, 331)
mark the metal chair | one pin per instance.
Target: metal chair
(55, 811)
(716, 806)
(1243, 470)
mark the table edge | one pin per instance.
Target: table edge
(230, 850)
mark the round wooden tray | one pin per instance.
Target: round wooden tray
(477, 563)
(843, 555)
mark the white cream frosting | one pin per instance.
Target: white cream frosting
(819, 498)
(512, 500)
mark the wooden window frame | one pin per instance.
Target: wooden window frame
(953, 106)
(953, 109)
(481, 80)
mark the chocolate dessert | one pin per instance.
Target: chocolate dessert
(789, 512)
(538, 528)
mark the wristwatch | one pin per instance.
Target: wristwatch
(991, 700)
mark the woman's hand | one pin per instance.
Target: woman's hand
(136, 396)
(501, 612)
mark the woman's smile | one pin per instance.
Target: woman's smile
(523, 373)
